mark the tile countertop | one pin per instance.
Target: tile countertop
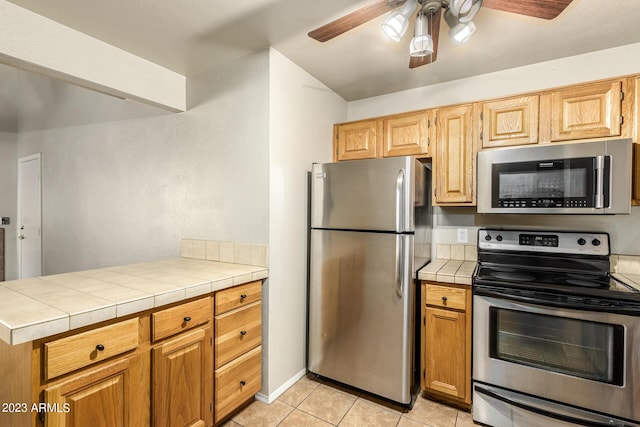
(448, 271)
(36, 308)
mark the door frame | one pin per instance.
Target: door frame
(36, 156)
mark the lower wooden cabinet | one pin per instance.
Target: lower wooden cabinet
(182, 380)
(107, 396)
(238, 348)
(155, 368)
(446, 349)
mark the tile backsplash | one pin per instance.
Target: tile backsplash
(233, 252)
(625, 264)
(456, 251)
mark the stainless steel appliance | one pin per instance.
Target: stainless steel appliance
(370, 233)
(556, 339)
(581, 178)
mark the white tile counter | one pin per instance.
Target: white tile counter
(448, 271)
(36, 308)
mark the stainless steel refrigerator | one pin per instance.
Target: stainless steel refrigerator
(370, 233)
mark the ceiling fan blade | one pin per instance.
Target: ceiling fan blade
(417, 61)
(350, 21)
(544, 9)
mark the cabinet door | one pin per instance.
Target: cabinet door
(512, 121)
(406, 134)
(356, 140)
(182, 381)
(454, 159)
(445, 342)
(589, 111)
(110, 396)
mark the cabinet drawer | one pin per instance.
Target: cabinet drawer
(180, 318)
(446, 297)
(84, 349)
(238, 296)
(237, 332)
(237, 382)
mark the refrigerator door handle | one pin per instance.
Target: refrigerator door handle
(399, 264)
(400, 202)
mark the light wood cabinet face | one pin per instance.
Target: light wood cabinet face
(356, 140)
(237, 381)
(182, 380)
(406, 134)
(512, 121)
(635, 135)
(101, 397)
(589, 111)
(454, 162)
(445, 359)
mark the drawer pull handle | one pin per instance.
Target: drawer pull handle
(243, 383)
(100, 347)
(243, 296)
(243, 333)
(186, 319)
(444, 300)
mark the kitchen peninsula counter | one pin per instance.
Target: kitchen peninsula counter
(31, 309)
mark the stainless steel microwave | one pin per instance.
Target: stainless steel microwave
(578, 178)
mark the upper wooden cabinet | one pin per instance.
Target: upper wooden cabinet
(588, 111)
(356, 140)
(512, 121)
(406, 134)
(454, 160)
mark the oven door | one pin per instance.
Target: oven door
(587, 359)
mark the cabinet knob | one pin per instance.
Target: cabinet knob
(100, 347)
(243, 383)
(187, 318)
(444, 300)
(243, 332)
(243, 296)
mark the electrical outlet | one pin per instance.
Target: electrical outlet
(5, 220)
(462, 235)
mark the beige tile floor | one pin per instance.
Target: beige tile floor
(310, 403)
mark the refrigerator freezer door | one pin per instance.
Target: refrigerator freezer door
(361, 321)
(377, 194)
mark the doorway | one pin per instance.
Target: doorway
(29, 217)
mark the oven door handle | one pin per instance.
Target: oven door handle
(540, 411)
(620, 308)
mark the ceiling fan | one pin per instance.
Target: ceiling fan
(458, 14)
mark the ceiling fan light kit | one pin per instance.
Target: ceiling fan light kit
(397, 22)
(458, 15)
(421, 43)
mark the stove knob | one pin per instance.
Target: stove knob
(499, 238)
(595, 242)
(581, 241)
(487, 238)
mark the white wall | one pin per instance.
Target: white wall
(602, 64)
(8, 199)
(303, 112)
(128, 189)
(625, 60)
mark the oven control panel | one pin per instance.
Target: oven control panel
(568, 242)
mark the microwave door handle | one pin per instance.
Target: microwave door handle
(599, 166)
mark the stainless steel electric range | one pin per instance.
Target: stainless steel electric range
(556, 339)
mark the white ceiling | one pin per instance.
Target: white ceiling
(188, 36)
